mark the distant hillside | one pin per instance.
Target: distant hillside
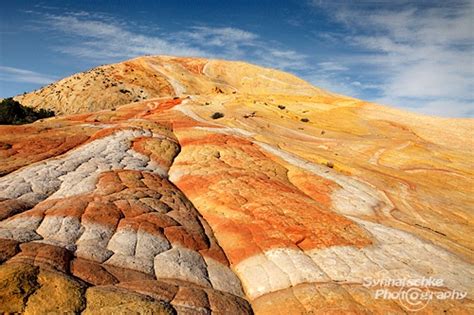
(143, 78)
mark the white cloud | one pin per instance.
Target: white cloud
(332, 83)
(422, 57)
(220, 36)
(407, 57)
(105, 39)
(280, 58)
(331, 66)
(101, 39)
(230, 42)
(21, 75)
(439, 107)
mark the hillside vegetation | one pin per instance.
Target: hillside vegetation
(13, 113)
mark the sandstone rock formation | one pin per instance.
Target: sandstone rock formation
(285, 203)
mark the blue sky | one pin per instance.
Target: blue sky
(415, 55)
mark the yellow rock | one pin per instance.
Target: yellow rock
(107, 300)
(246, 180)
(57, 293)
(17, 282)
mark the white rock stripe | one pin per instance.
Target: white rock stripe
(222, 277)
(354, 198)
(126, 248)
(21, 229)
(77, 171)
(394, 255)
(191, 114)
(277, 269)
(92, 244)
(166, 71)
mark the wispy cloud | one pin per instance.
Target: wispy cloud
(422, 57)
(220, 36)
(331, 66)
(21, 75)
(229, 42)
(100, 39)
(106, 39)
(402, 55)
(282, 58)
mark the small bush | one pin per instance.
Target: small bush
(13, 113)
(250, 115)
(217, 115)
(304, 119)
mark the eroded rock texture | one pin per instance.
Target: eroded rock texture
(284, 203)
(100, 229)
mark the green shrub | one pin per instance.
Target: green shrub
(13, 113)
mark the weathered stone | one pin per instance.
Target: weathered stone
(110, 300)
(8, 249)
(193, 300)
(57, 293)
(183, 264)
(158, 290)
(292, 199)
(127, 275)
(45, 256)
(224, 303)
(91, 272)
(17, 283)
(222, 278)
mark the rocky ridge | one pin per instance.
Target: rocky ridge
(283, 204)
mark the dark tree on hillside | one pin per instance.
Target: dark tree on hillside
(13, 113)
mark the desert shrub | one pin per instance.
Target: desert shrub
(13, 113)
(304, 119)
(217, 115)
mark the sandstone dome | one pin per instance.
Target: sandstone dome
(196, 186)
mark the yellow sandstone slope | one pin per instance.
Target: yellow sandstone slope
(108, 86)
(251, 186)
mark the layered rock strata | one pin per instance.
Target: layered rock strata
(287, 201)
(100, 229)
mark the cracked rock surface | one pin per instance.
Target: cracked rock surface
(101, 229)
(288, 203)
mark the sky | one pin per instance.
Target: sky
(414, 55)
